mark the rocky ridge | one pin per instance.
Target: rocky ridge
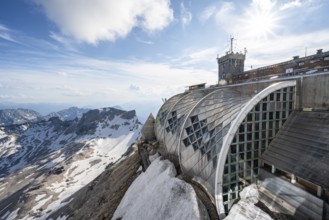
(18, 116)
(44, 163)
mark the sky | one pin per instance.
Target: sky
(135, 53)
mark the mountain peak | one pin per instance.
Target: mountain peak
(18, 116)
(68, 114)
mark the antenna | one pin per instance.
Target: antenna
(231, 50)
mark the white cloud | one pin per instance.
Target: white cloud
(66, 42)
(223, 13)
(102, 20)
(144, 41)
(260, 19)
(198, 56)
(62, 74)
(70, 91)
(207, 13)
(264, 5)
(11, 97)
(291, 4)
(134, 87)
(280, 42)
(282, 49)
(186, 15)
(103, 81)
(295, 4)
(5, 33)
(204, 54)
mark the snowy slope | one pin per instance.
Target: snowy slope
(157, 194)
(42, 164)
(68, 114)
(18, 116)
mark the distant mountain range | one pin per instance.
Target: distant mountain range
(68, 114)
(22, 116)
(44, 162)
(18, 116)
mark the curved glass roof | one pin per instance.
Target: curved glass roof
(194, 127)
(203, 132)
(162, 115)
(176, 117)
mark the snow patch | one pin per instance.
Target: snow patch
(3, 185)
(40, 203)
(157, 194)
(39, 197)
(245, 209)
(29, 176)
(53, 162)
(153, 157)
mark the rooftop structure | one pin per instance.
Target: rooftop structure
(197, 86)
(318, 62)
(225, 137)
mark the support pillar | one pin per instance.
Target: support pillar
(293, 178)
(273, 169)
(319, 191)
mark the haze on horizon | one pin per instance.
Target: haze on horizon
(135, 53)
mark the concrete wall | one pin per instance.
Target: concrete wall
(314, 92)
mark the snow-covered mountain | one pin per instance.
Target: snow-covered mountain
(68, 114)
(18, 116)
(43, 163)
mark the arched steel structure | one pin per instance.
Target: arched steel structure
(217, 135)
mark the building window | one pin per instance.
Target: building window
(290, 70)
(249, 144)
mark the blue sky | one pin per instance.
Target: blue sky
(134, 53)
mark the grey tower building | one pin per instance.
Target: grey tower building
(231, 64)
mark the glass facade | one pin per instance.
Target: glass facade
(204, 130)
(251, 139)
(176, 118)
(162, 115)
(196, 128)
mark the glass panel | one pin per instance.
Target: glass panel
(252, 138)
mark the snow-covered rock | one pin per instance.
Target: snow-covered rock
(157, 194)
(245, 209)
(250, 194)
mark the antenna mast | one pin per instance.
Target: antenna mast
(231, 50)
